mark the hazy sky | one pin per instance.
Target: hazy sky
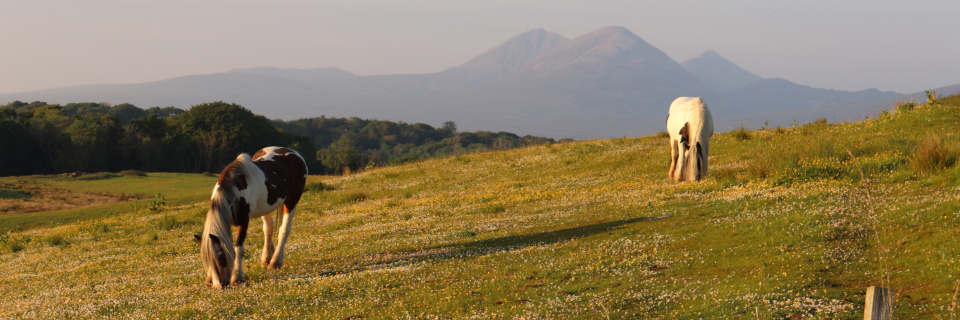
(903, 46)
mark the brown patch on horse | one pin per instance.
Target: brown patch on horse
(278, 150)
(259, 154)
(685, 135)
(233, 176)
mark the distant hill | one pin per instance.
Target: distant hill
(305, 75)
(854, 110)
(606, 83)
(509, 58)
(719, 73)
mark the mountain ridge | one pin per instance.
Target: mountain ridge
(605, 83)
(718, 72)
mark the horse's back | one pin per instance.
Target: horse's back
(691, 110)
(285, 172)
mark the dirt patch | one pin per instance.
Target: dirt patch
(42, 198)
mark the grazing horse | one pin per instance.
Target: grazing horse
(690, 125)
(250, 188)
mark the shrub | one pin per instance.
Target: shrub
(147, 238)
(347, 224)
(348, 197)
(168, 222)
(904, 107)
(11, 243)
(932, 97)
(741, 133)
(814, 167)
(134, 173)
(158, 204)
(54, 240)
(318, 187)
(494, 209)
(935, 153)
(726, 176)
(97, 176)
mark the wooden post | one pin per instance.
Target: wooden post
(879, 304)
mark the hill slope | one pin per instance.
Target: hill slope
(781, 228)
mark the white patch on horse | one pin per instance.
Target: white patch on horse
(256, 191)
(269, 152)
(215, 188)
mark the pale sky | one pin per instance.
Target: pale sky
(903, 46)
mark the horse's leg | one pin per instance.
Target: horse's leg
(238, 275)
(267, 240)
(277, 261)
(674, 154)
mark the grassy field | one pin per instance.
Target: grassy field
(784, 227)
(61, 200)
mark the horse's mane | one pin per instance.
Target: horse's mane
(221, 214)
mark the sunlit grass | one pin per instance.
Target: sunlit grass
(586, 230)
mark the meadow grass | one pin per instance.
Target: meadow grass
(13, 194)
(782, 227)
(127, 193)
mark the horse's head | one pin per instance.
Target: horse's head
(216, 247)
(215, 262)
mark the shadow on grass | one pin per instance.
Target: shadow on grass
(542, 238)
(477, 248)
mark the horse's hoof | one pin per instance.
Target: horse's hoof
(275, 266)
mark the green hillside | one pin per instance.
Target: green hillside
(783, 227)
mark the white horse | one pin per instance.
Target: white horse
(690, 125)
(248, 189)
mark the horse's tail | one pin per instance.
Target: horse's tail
(701, 129)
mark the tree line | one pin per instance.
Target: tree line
(41, 138)
(354, 143)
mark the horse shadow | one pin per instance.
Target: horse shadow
(402, 258)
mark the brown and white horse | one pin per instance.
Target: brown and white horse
(250, 188)
(690, 125)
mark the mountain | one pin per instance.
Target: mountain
(305, 75)
(511, 57)
(610, 68)
(606, 83)
(719, 73)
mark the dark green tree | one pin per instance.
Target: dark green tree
(21, 154)
(224, 130)
(94, 138)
